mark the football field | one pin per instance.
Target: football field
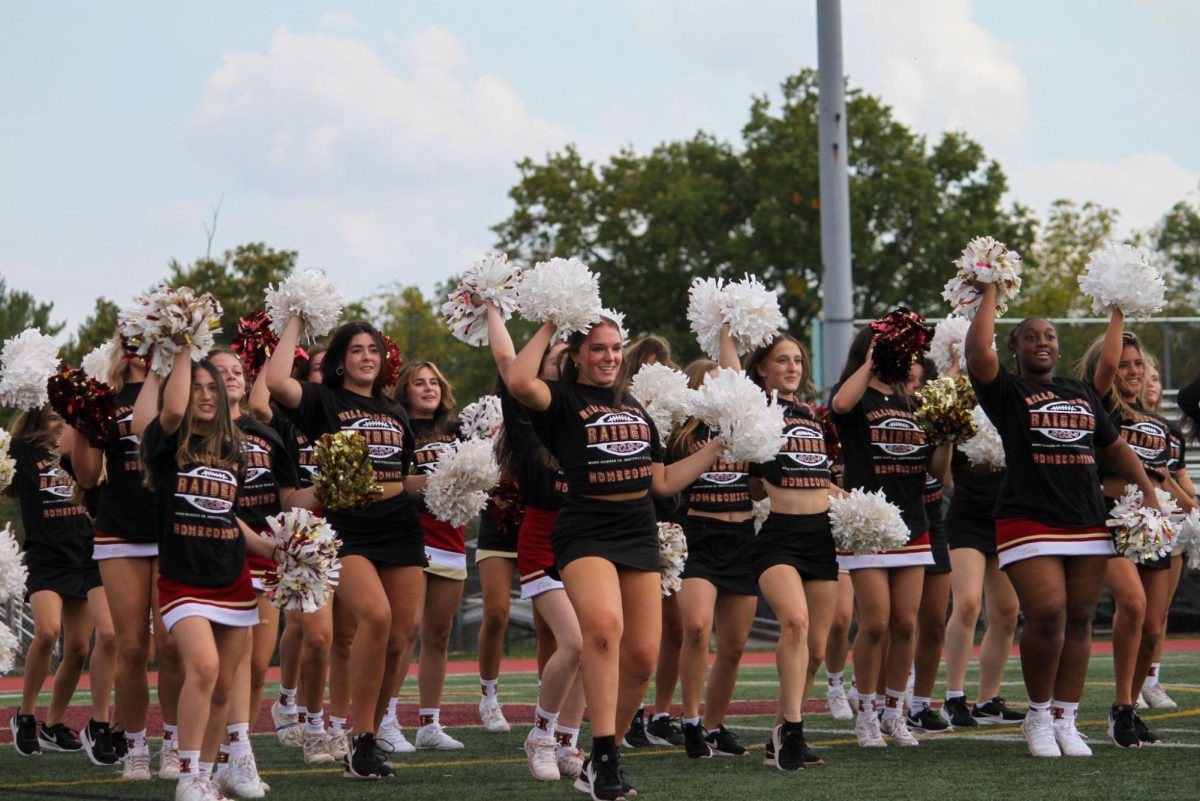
(988, 762)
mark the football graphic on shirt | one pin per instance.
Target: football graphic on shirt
(376, 448)
(209, 483)
(55, 482)
(722, 477)
(253, 473)
(1146, 439)
(800, 454)
(608, 426)
(1062, 421)
(898, 436)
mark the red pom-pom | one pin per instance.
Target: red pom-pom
(504, 504)
(900, 339)
(86, 404)
(393, 362)
(833, 445)
(254, 342)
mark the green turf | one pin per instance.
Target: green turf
(989, 763)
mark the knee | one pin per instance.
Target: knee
(872, 631)
(340, 647)
(902, 628)
(639, 662)
(203, 672)
(495, 620)
(317, 641)
(1133, 609)
(1003, 617)
(74, 652)
(258, 673)
(603, 633)
(794, 626)
(933, 629)
(966, 610)
(106, 641)
(375, 623)
(46, 636)
(1152, 632)
(696, 633)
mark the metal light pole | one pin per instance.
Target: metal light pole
(836, 284)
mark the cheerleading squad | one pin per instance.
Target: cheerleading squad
(158, 541)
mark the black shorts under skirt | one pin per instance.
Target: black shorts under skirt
(720, 552)
(389, 533)
(623, 532)
(976, 533)
(69, 582)
(493, 538)
(803, 541)
(937, 544)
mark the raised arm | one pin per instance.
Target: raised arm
(260, 400)
(146, 405)
(1110, 354)
(982, 361)
(729, 355)
(854, 387)
(177, 392)
(87, 462)
(278, 371)
(522, 378)
(670, 479)
(500, 341)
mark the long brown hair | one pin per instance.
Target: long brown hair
(34, 425)
(640, 352)
(568, 370)
(679, 444)
(217, 443)
(444, 413)
(1114, 402)
(760, 355)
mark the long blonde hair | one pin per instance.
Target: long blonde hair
(444, 413)
(217, 443)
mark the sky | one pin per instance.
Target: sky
(379, 139)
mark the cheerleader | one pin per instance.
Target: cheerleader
(1153, 694)
(870, 416)
(63, 591)
(1114, 367)
(192, 453)
(551, 746)
(605, 537)
(1050, 532)
(382, 554)
(126, 550)
(837, 646)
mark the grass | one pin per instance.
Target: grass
(987, 763)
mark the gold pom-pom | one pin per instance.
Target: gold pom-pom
(945, 413)
(345, 478)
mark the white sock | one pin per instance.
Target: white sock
(835, 679)
(1039, 709)
(136, 740)
(919, 705)
(544, 724)
(892, 706)
(691, 721)
(429, 717)
(1065, 710)
(488, 687)
(287, 700)
(661, 716)
(239, 738)
(1152, 675)
(206, 769)
(316, 723)
(955, 694)
(189, 766)
(391, 710)
(566, 736)
(170, 736)
(337, 725)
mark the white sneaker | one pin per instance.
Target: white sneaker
(391, 738)
(137, 765)
(897, 729)
(241, 777)
(287, 727)
(316, 749)
(200, 789)
(1070, 741)
(867, 729)
(338, 743)
(492, 717)
(570, 761)
(1156, 697)
(839, 707)
(168, 763)
(1039, 731)
(434, 736)
(543, 762)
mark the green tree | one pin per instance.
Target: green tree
(1050, 283)
(238, 279)
(19, 310)
(97, 329)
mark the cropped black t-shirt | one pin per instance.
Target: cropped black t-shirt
(1178, 453)
(199, 538)
(539, 482)
(1051, 432)
(802, 462)
(604, 446)
(58, 532)
(884, 448)
(267, 468)
(126, 507)
(724, 487)
(1148, 436)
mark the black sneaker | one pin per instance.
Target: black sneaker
(1121, 727)
(724, 742)
(604, 778)
(694, 743)
(810, 757)
(363, 761)
(788, 739)
(58, 738)
(636, 736)
(996, 711)
(97, 741)
(663, 731)
(954, 711)
(116, 738)
(25, 735)
(1146, 736)
(769, 753)
(926, 720)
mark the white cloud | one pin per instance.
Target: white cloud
(1142, 186)
(338, 22)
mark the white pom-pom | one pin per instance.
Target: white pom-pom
(100, 360)
(483, 418)
(8, 465)
(761, 510)
(308, 568)
(866, 523)
(734, 407)
(560, 291)
(985, 449)
(673, 553)
(618, 318)
(456, 491)
(163, 323)
(946, 349)
(750, 309)
(665, 394)
(492, 278)
(309, 295)
(27, 362)
(1189, 538)
(990, 262)
(13, 573)
(1141, 533)
(1122, 276)
(10, 646)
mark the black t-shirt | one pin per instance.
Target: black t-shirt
(267, 468)
(429, 440)
(126, 507)
(385, 427)
(605, 447)
(724, 487)
(58, 532)
(884, 448)
(1050, 433)
(933, 491)
(540, 483)
(802, 462)
(199, 538)
(1148, 436)
(974, 493)
(1178, 453)
(297, 446)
